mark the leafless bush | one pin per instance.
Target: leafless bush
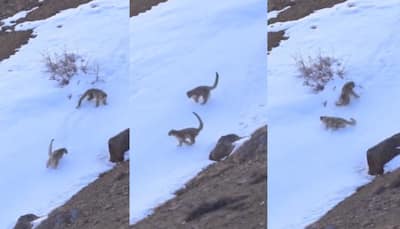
(62, 67)
(318, 71)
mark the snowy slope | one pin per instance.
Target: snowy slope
(311, 169)
(34, 109)
(175, 47)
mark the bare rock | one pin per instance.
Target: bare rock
(24, 222)
(224, 147)
(118, 145)
(383, 152)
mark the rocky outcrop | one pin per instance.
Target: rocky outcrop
(103, 204)
(24, 222)
(382, 153)
(118, 145)
(224, 147)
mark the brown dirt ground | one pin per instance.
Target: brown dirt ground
(298, 9)
(141, 6)
(9, 8)
(275, 38)
(278, 4)
(374, 206)
(12, 41)
(103, 204)
(228, 194)
(49, 8)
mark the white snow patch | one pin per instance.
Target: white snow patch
(38, 221)
(274, 14)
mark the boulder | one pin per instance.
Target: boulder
(24, 222)
(118, 145)
(224, 147)
(383, 152)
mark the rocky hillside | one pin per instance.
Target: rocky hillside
(227, 194)
(103, 204)
(373, 206)
(9, 8)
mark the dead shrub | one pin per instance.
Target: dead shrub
(62, 67)
(318, 71)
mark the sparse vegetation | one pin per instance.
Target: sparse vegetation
(318, 71)
(62, 67)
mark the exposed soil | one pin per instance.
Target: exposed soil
(228, 194)
(49, 8)
(298, 9)
(11, 40)
(279, 4)
(10, 7)
(102, 204)
(141, 6)
(275, 38)
(374, 206)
